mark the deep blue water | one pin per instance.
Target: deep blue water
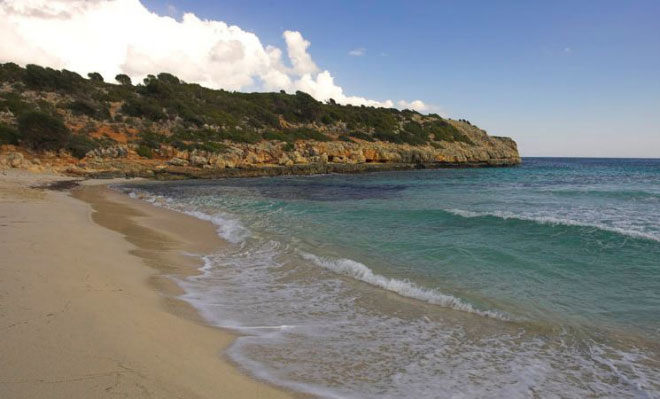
(541, 278)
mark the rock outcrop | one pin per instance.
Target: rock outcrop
(274, 158)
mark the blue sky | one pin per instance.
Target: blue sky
(564, 78)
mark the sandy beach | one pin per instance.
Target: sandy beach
(85, 311)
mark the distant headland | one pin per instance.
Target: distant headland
(58, 121)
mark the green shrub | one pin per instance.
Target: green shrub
(95, 77)
(79, 145)
(443, 130)
(40, 78)
(11, 73)
(14, 103)
(388, 136)
(81, 107)
(145, 151)
(240, 136)
(273, 135)
(8, 135)
(305, 133)
(288, 147)
(42, 131)
(362, 136)
(152, 140)
(143, 108)
(124, 79)
(168, 78)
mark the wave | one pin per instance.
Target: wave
(551, 220)
(228, 228)
(361, 272)
(623, 194)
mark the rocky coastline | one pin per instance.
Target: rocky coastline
(266, 159)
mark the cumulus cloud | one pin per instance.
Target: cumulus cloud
(358, 52)
(416, 105)
(123, 36)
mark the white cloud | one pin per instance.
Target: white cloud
(296, 48)
(358, 52)
(416, 105)
(122, 36)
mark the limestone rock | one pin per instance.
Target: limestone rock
(197, 160)
(178, 162)
(15, 159)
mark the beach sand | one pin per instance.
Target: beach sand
(84, 309)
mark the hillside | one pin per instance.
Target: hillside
(59, 120)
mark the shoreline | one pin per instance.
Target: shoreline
(88, 309)
(189, 173)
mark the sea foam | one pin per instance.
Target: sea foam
(361, 272)
(553, 220)
(228, 227)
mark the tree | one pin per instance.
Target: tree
(168, 78)
(42, 131)
(95, 76)
(124, 79)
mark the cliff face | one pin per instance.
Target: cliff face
(167, 128)
(271, 158)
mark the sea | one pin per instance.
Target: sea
(535, 281)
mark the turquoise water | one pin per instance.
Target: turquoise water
(541, 280)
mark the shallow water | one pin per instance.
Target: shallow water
(536, 281)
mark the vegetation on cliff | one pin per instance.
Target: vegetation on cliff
(193, 114)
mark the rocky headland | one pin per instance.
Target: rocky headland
(58, 122)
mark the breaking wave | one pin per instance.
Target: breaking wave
(552, 220)
(361, 272)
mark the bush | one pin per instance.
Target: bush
(240, 136)
(14, 103)
(288, 147)
(95, 77)
(143, 108)
(80, 107)
(145, 152)
(124, 79)
(42, 131)
(305, 133)
(275, 136)
(362, 136)
(8, 135)
(11, 72)
(40, 78)
(79, 145)
(443, 130)
(152, 140)
(168, 78)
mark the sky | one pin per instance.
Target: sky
(563, 78)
